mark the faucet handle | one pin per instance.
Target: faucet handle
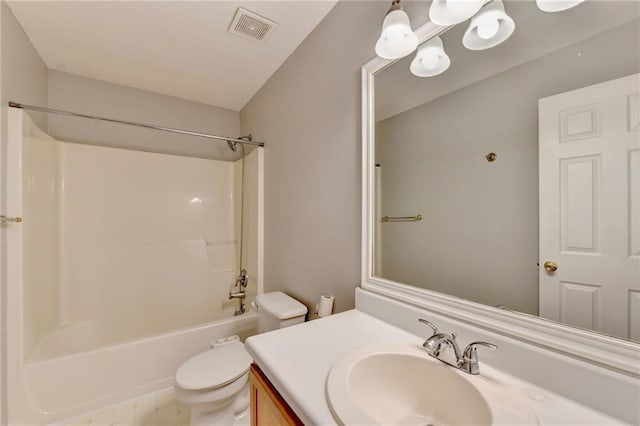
(430, 324)
(469, 362)
(470, 350)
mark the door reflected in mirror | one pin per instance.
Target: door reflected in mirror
(523, 163)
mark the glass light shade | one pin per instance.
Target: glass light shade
(557, 5)
(490, 27)
(451, 12)
(431, 59)
(397, 39)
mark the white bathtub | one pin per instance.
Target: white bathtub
(57, 388)
(62, 358)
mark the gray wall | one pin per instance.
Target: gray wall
(479, 236)
(24, 74)
(309, 115)
(96, 97)
(23, 79)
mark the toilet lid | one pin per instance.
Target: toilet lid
(214, 368)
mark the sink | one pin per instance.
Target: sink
(399, 384)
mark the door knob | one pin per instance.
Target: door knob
(550, 266)
(5, 219)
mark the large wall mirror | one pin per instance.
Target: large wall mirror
(512, 179)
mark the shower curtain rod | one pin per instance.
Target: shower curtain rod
(132, 123)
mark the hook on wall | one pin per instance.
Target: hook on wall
(491, 157)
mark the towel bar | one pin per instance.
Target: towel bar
(415, 218)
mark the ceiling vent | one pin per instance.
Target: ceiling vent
(251, 25)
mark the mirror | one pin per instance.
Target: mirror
(512, 179)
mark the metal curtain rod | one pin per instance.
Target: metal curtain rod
(132, 123)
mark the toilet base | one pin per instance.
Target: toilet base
(225, 418)
(234, 414)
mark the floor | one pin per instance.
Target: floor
(154, 409)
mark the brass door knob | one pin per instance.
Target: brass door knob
(550, 266)
(5, 219)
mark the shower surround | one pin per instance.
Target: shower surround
(126, 263)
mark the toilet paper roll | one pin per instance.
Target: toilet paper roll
(325, 307)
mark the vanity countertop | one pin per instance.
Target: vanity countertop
(297, 361)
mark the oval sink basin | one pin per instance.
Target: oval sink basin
(402, 385)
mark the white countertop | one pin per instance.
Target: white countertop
(297, 361)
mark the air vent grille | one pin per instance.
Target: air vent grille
(251, 25)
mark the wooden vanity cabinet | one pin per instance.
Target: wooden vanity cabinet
(267, 406)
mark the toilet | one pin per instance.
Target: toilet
(215, 383)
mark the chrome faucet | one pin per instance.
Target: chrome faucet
(242, 279)
(236, 295)
(241, 283)
(466, 361)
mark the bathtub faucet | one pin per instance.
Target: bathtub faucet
(240, 296)
(242, 279)
(241, 283)
(236, 295)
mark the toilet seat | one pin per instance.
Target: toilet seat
(214, 368)
(216, 398)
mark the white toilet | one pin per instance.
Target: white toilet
(215, 383)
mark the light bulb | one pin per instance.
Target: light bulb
(430, 61)
(393, 41)
(557, 5)
(488, 28)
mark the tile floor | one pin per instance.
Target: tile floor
(155, 409)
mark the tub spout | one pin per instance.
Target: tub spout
(236, 295)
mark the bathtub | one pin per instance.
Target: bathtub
(61, 358)
(54, 389)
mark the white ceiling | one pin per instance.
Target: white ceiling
(177, 48)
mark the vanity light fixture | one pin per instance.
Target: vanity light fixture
(451, 12)
(490, 27)
(397, 39)
(431, 59)
(557, 5)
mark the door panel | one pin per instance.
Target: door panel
(633, 115)
(634, 317)
(579, 203)
(579, 123)
(634, 203)
(580, 304)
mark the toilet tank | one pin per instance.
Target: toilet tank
(277, 310)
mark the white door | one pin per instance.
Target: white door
(590, 207)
